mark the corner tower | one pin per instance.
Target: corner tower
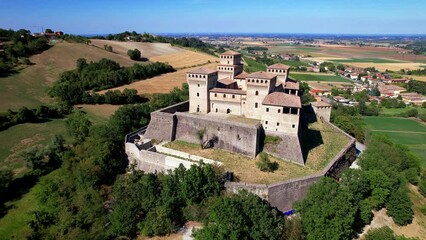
(200, 81)
(280, 70)
(230, 65)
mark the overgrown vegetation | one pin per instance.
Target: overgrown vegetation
(72, 86)
(265, 164)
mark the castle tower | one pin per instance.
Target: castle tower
(230, 65)
(280, 70)
(259, 85)
(200, 81)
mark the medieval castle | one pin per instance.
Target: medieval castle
(268, 96)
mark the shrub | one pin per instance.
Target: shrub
(422, 185)
(383, 233)
(272, 140)
(134, 54)
(400, 207)
(265, 165)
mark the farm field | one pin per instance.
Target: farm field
(28, 87)
(160, 84)
(161, 52)
(245, 168)
(319, 77)
(367, 60)
(402, 130)
(393, 112)
(22, 136)
(98, 113)
(294, 63)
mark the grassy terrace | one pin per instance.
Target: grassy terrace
(323, 141)
(318, 77)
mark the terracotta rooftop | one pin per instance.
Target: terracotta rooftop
(230, 52)
(227, 90)
(202, 70)
(320, 104)
(279, 66)
(242, 75)
(262, 75)
(291, 85)
(226, 81)
(282, 99)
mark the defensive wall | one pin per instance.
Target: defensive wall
(283, 194)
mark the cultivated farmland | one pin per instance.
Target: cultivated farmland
(318, 77)
(403, 131)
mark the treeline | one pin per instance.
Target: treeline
(146, 37)
(256, 49)
(72, 85)
(417, 86)
(340, 209)
(115, 97)
(18, 47)
(38, 114)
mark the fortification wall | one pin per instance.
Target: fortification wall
(232, 136)
(288, 149)
(185, 155)
(284, 194)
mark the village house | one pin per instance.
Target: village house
(413, 98)
(390, 90)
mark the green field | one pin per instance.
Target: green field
(18, 138)
(253, 66)
(402, 130)
(318, 77)
(294, 63)
(393, 112)
(367, 60)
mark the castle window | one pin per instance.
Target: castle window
(286, 110)
(278, 123)
(198, 85)
(256, 93)
(255, 105)
(266, 122)
(267, 109)
(279, 110)
(233, 96)
(215, 94)
(257, 81)
(228, 110)
(266, 81)
(294, 111)
(293, 126)
(216, 109)
(261, 81)
(198, 94)
(224, 95)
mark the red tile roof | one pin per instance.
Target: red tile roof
(279, 66)
(202, 70)
(262, 75)
(230, 52)
(226, 81)
(242, 75)
(291, 85)
(227, 90)
(282, 99)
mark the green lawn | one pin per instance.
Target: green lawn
(393, 112)
(294, 63)
(367, 60)
(253, 66)
(401, 130)
(17, 138)
(318, 77)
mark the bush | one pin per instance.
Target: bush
(383, 233)
(400, 207)
(422, 185)
(265, 165)
(134, 54)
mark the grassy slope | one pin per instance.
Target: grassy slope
(415, 141)
(318, 77)
(28, 87)
(253, 66)
(20, 137)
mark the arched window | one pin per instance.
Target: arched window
(256, 93)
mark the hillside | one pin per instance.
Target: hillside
(27, 88)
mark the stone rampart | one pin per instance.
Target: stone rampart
(232, 136)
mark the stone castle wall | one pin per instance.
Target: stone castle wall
(284, 194)
(231, 136)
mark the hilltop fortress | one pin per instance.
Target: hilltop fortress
(235, 110)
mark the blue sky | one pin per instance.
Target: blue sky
(226, 16)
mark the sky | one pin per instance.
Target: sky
(217, 16)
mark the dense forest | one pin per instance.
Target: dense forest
(17, 47)
(72, 86)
